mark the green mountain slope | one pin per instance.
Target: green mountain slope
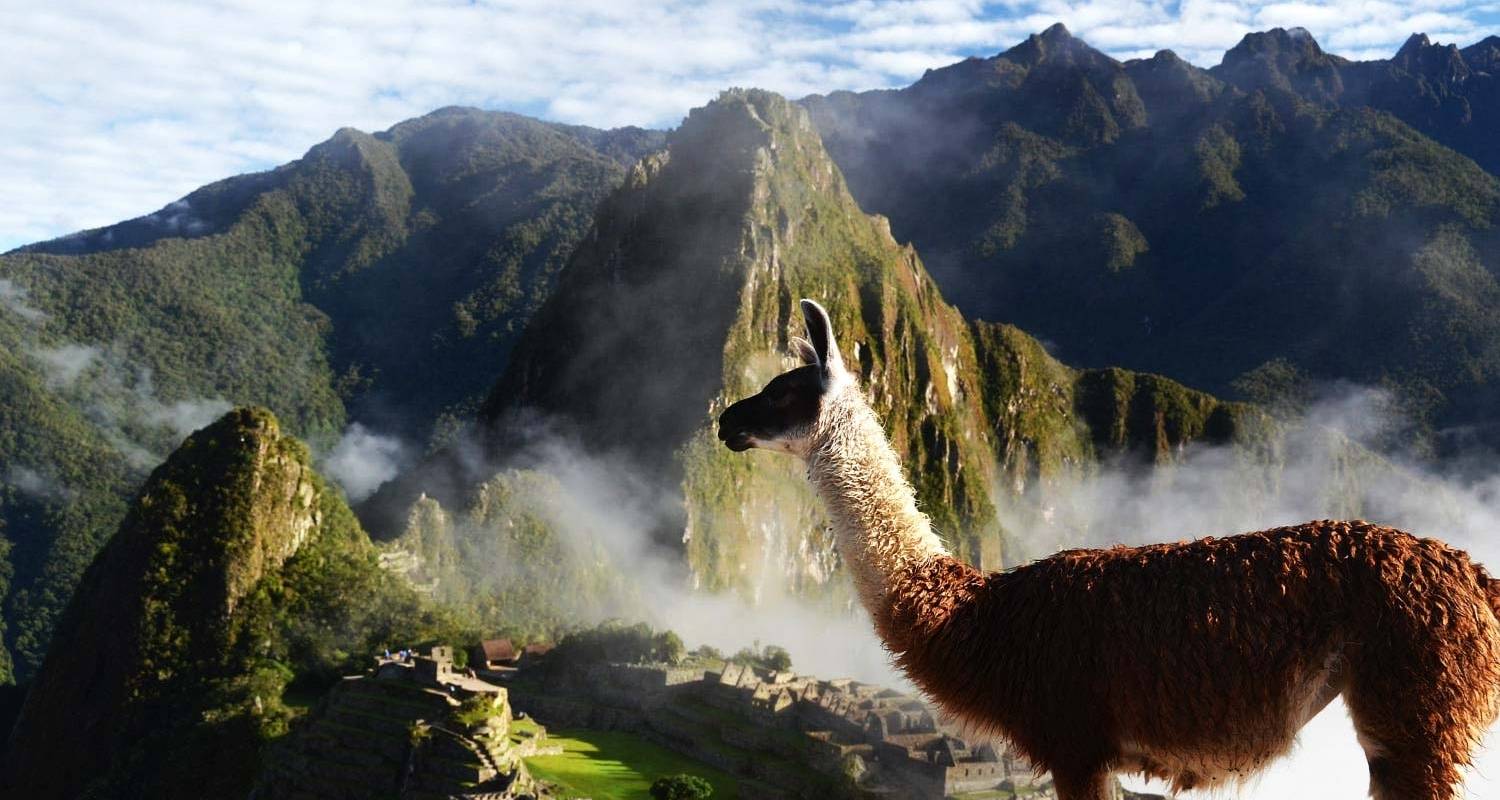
(681, 301)
(381, 279)
(1152, 215)
(236, 572)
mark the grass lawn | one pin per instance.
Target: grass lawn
(609, 765)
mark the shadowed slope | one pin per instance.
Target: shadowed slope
(1200, 224)
(235, 572)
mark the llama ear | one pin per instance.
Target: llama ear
(820, 333)
(803, 350)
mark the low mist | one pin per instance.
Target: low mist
(363, 460)
(611, 503)
(109, 388)
(1320, 469)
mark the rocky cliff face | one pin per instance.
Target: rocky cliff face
(681, 300)
(234, 571)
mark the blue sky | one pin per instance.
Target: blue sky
(113, 109)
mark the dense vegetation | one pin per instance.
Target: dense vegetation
(682, 303)
(237, 577)
(681, 787)
(1203, 224)
(381, 278)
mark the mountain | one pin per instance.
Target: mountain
(236, 574)
(518, 555)
(379, 263)
(380, 279)
(680, 300)
(1202, 224)
(1452, 95)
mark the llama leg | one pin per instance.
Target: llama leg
(1083, 785)
(1413, 777)
(1419, 705)
(1414, 751)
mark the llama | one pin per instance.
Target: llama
(1194, 662)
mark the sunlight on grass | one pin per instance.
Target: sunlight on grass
(609, 765)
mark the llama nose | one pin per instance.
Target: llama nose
(727, 432)
(726, 425)
(733, 435)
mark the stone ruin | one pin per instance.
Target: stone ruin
(847, 719)
(415, 728)
(781, 732)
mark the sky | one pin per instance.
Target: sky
(113, 110)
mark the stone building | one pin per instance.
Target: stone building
(786, 735)
(494, 654)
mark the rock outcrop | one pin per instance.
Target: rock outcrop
(236, 572)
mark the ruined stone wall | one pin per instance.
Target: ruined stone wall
(392, 738)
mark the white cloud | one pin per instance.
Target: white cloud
(66, 362)
(117, 109)
(363, 460)
(13, 298)
(36, 485)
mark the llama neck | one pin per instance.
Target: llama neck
(880, 533)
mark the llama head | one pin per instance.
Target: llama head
(781, 416)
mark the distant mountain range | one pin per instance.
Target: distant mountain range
(380, 278)
(1286, 218)
(681, 301)
(1287, 210)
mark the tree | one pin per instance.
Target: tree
(681, 787)
(667, 646)
(778, 658)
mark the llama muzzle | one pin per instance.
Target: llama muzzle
(734, 436)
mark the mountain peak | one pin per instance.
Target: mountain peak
(1277, 44)
(1414, 43)
(737, 113)
(163, 602)
(1056, 32)
(1053, 44)
(684, 232)
(1437, 61)
(1283, 59)
(1483, 55)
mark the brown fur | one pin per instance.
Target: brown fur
(1197, 662)
(1194, 662)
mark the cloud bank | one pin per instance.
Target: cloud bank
(363, 460)
(118, 109)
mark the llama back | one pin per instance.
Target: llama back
(1220, 648)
